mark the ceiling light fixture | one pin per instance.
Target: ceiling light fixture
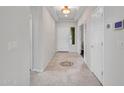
(66, 10)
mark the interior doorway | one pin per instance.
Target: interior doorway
(82, 39)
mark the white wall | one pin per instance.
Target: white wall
(93, 21)
(14, 46)
(44, 36)
(114, 49)
(36, 15)
(97, 41)
(113, 45)
(83, 20)
(64, 36)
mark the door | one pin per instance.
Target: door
(96, 45)
(62, 38)
(66, 36)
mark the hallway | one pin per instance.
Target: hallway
(33, 35)
(76, 74)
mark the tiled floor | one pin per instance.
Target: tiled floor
(55, 74)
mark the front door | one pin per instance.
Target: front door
(63, 38)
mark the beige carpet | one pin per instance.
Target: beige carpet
(57, 75)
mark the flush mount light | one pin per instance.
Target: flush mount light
(66, 10)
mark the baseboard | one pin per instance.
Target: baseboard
(37, 70)
(94, 74)
(62, 51)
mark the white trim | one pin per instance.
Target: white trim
(41, 70)
(37, 70)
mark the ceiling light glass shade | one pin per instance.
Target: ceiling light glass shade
(66, 10)
(66, 15)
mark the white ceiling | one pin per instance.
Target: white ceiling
(76, 12)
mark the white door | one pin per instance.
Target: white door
(62, 38)
(96, 46)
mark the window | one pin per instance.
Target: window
(73, 35)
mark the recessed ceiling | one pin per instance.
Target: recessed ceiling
(56, 12)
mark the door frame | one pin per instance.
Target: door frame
(84, 39)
